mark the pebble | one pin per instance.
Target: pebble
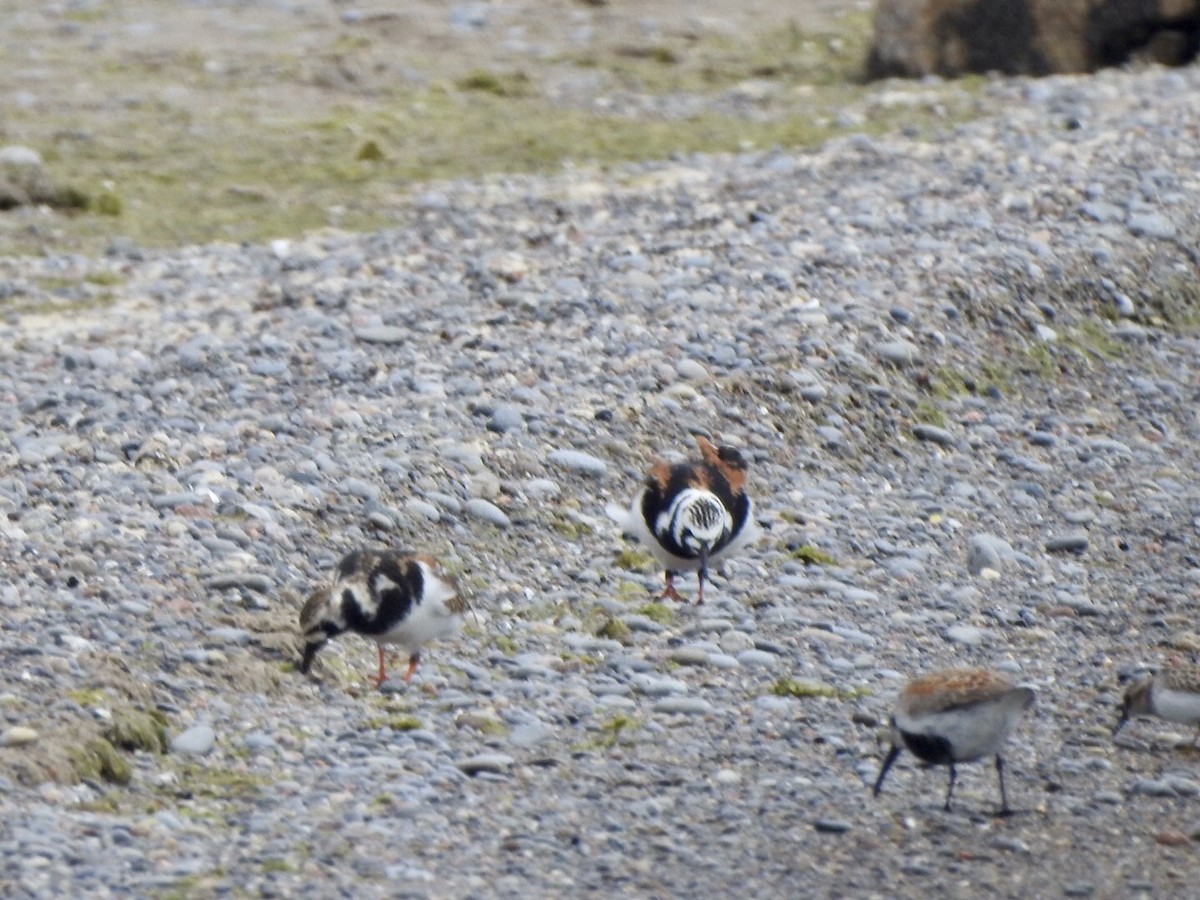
(422, 509)
(580, 462)
(898, 353)
(487, 511)
(935, 435)
(18, 736)
(757, 658)
(251, 581)
(493, 763)
(1076, 542)
(690, 656)
(986, 551)
(691, 706)
(18, 155)
(831, 826)
(198, 740)
(505, 419)
(966, 634)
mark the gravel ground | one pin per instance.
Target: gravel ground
(964, 371)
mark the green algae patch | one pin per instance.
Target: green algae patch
(811, 556)
(133, 729)
(657, 612)
(395, 723)
(256, 158)
(804, 688)
(616, 630)
(632, 560)
(99, 760)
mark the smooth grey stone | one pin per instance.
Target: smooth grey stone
(530, 735)
(238, 636)
(384, 334)
(494, 763)
(421, 508)
(1101, 211)
(691, 706)
(965, 634)
(579, 461)
(831, 826)
(487, 511)
(690, 656)
(898, 352)
(617, 702)
(170, 501)
(1152, 787)
(1152, 225)
(935, 435)
(251, 581)
(1182, 785)
(505, 418)
(19, 155)
(381, 520)
(196, 741)
(1070, 543)
(657, 686)
(357, 487)
(643, 624)
(757, 658)
(986, 551)
(723, 661)
(446, 501)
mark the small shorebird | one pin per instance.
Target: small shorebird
(391, 597)
(953, 716)
(1173, 694)
(693, 514)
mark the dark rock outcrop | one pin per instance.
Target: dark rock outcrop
(1028, 37)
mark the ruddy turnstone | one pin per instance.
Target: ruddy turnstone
(391, 597)
(953, 716)
(1173, 694)
(693, 514)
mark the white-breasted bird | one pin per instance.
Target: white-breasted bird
(390, 597)
(693, 514)
(953, 716)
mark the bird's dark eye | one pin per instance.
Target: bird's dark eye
(731, 456)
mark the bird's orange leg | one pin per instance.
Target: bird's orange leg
(412, 667)
(669, 592)
(382, 676)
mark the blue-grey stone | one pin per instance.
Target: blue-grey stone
(935, 435)
(898, 352)
(1076, 542)
(579, 461)
(505, 418)
(196, 741)
(487, 511)
(692, 706)
(1152, 225)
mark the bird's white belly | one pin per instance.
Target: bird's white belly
(426, 622)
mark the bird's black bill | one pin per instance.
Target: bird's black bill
(887, 764)
(1120, 723)
(310, 653)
